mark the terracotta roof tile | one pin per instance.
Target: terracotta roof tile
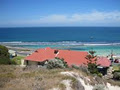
(103, 61)
(71, 57)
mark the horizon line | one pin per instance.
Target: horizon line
(54, 26)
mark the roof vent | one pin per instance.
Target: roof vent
(36, 51)
(56, 51)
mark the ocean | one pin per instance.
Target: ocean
(101, 39)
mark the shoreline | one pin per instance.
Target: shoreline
(60, 43)
(21, 51)
(24, 51)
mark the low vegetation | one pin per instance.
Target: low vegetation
(30, 78)
(56, 63)
(17, 60)
(75, 66)
(4, 55)
(99, 87)
(116, 72)
(116, 75)
(116, 66)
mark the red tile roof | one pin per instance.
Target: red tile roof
(71, 57)
(103, 61)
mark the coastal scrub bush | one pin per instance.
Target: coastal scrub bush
(17, 60)
(99, 87)
(100, 74)
(75, 66)
(84, 69)
(116, 71)
(116, 75)
(4, 55)
(65, 63)
(56, 63)
(92, 68)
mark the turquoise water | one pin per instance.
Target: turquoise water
(101, 39)
(103, 50)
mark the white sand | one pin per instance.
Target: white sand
(67, 84)
(87, 86)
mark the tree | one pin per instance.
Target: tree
(91, 62)
(4, 55)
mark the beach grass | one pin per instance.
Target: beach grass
(14, 77)
(116, 66)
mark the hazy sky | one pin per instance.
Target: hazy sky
(25, 13)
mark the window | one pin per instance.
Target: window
(27, 62)
(39, 63)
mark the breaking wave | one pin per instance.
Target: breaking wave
(59, 43)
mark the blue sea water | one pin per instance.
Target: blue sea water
(46, 34)
(101, 39)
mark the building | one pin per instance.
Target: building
(12, 53)
(71, 57)
(41, 55)
(103, 61)
(104, 64)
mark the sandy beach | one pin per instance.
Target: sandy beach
(24, 51)
(20, 51)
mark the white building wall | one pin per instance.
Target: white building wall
(24, 62)
(32, 63)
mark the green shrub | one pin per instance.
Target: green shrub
(99, 87)
(13, 62)
(116, 75)
(75, 66)
(56, 63)
(116, 71)
(100, 74)
(92, 68)
(84, 69)
(16, 60)
(4, 55)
